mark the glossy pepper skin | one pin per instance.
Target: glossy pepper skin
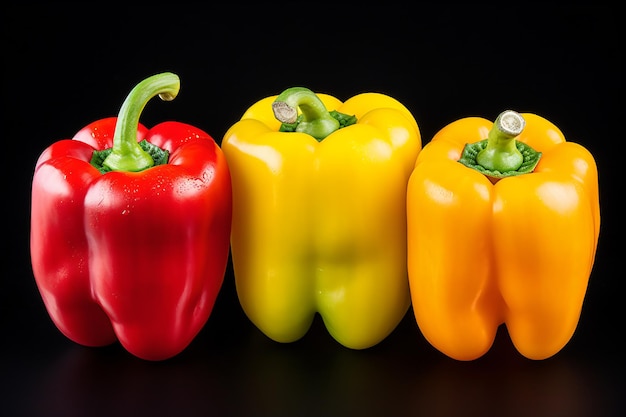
(136, 256)
(319, 225)
(517, 250)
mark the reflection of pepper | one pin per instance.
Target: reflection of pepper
(489, 244)
(319, 213)
(129, 255)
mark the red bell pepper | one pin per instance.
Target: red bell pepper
(130, 229)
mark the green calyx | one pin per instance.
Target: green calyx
(500, 155)
(159, 156)
(127, 154)
(314, 119)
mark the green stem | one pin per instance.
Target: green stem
(315, 121)
(126, 154)
(501, 153)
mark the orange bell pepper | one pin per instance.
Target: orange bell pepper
(501, 231)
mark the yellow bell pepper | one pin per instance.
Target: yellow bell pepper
(319, 213)
(503, 230)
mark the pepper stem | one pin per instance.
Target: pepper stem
(501, 153)
(315, 118)
(126, 154)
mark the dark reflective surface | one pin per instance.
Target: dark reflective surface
(232, 369)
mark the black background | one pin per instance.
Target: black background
(67, 65)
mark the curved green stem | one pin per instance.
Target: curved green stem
(315, 121)
(501, 153)
(126, 154)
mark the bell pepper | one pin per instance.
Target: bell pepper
(130, 229)
(319, 213)
(503, 224)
